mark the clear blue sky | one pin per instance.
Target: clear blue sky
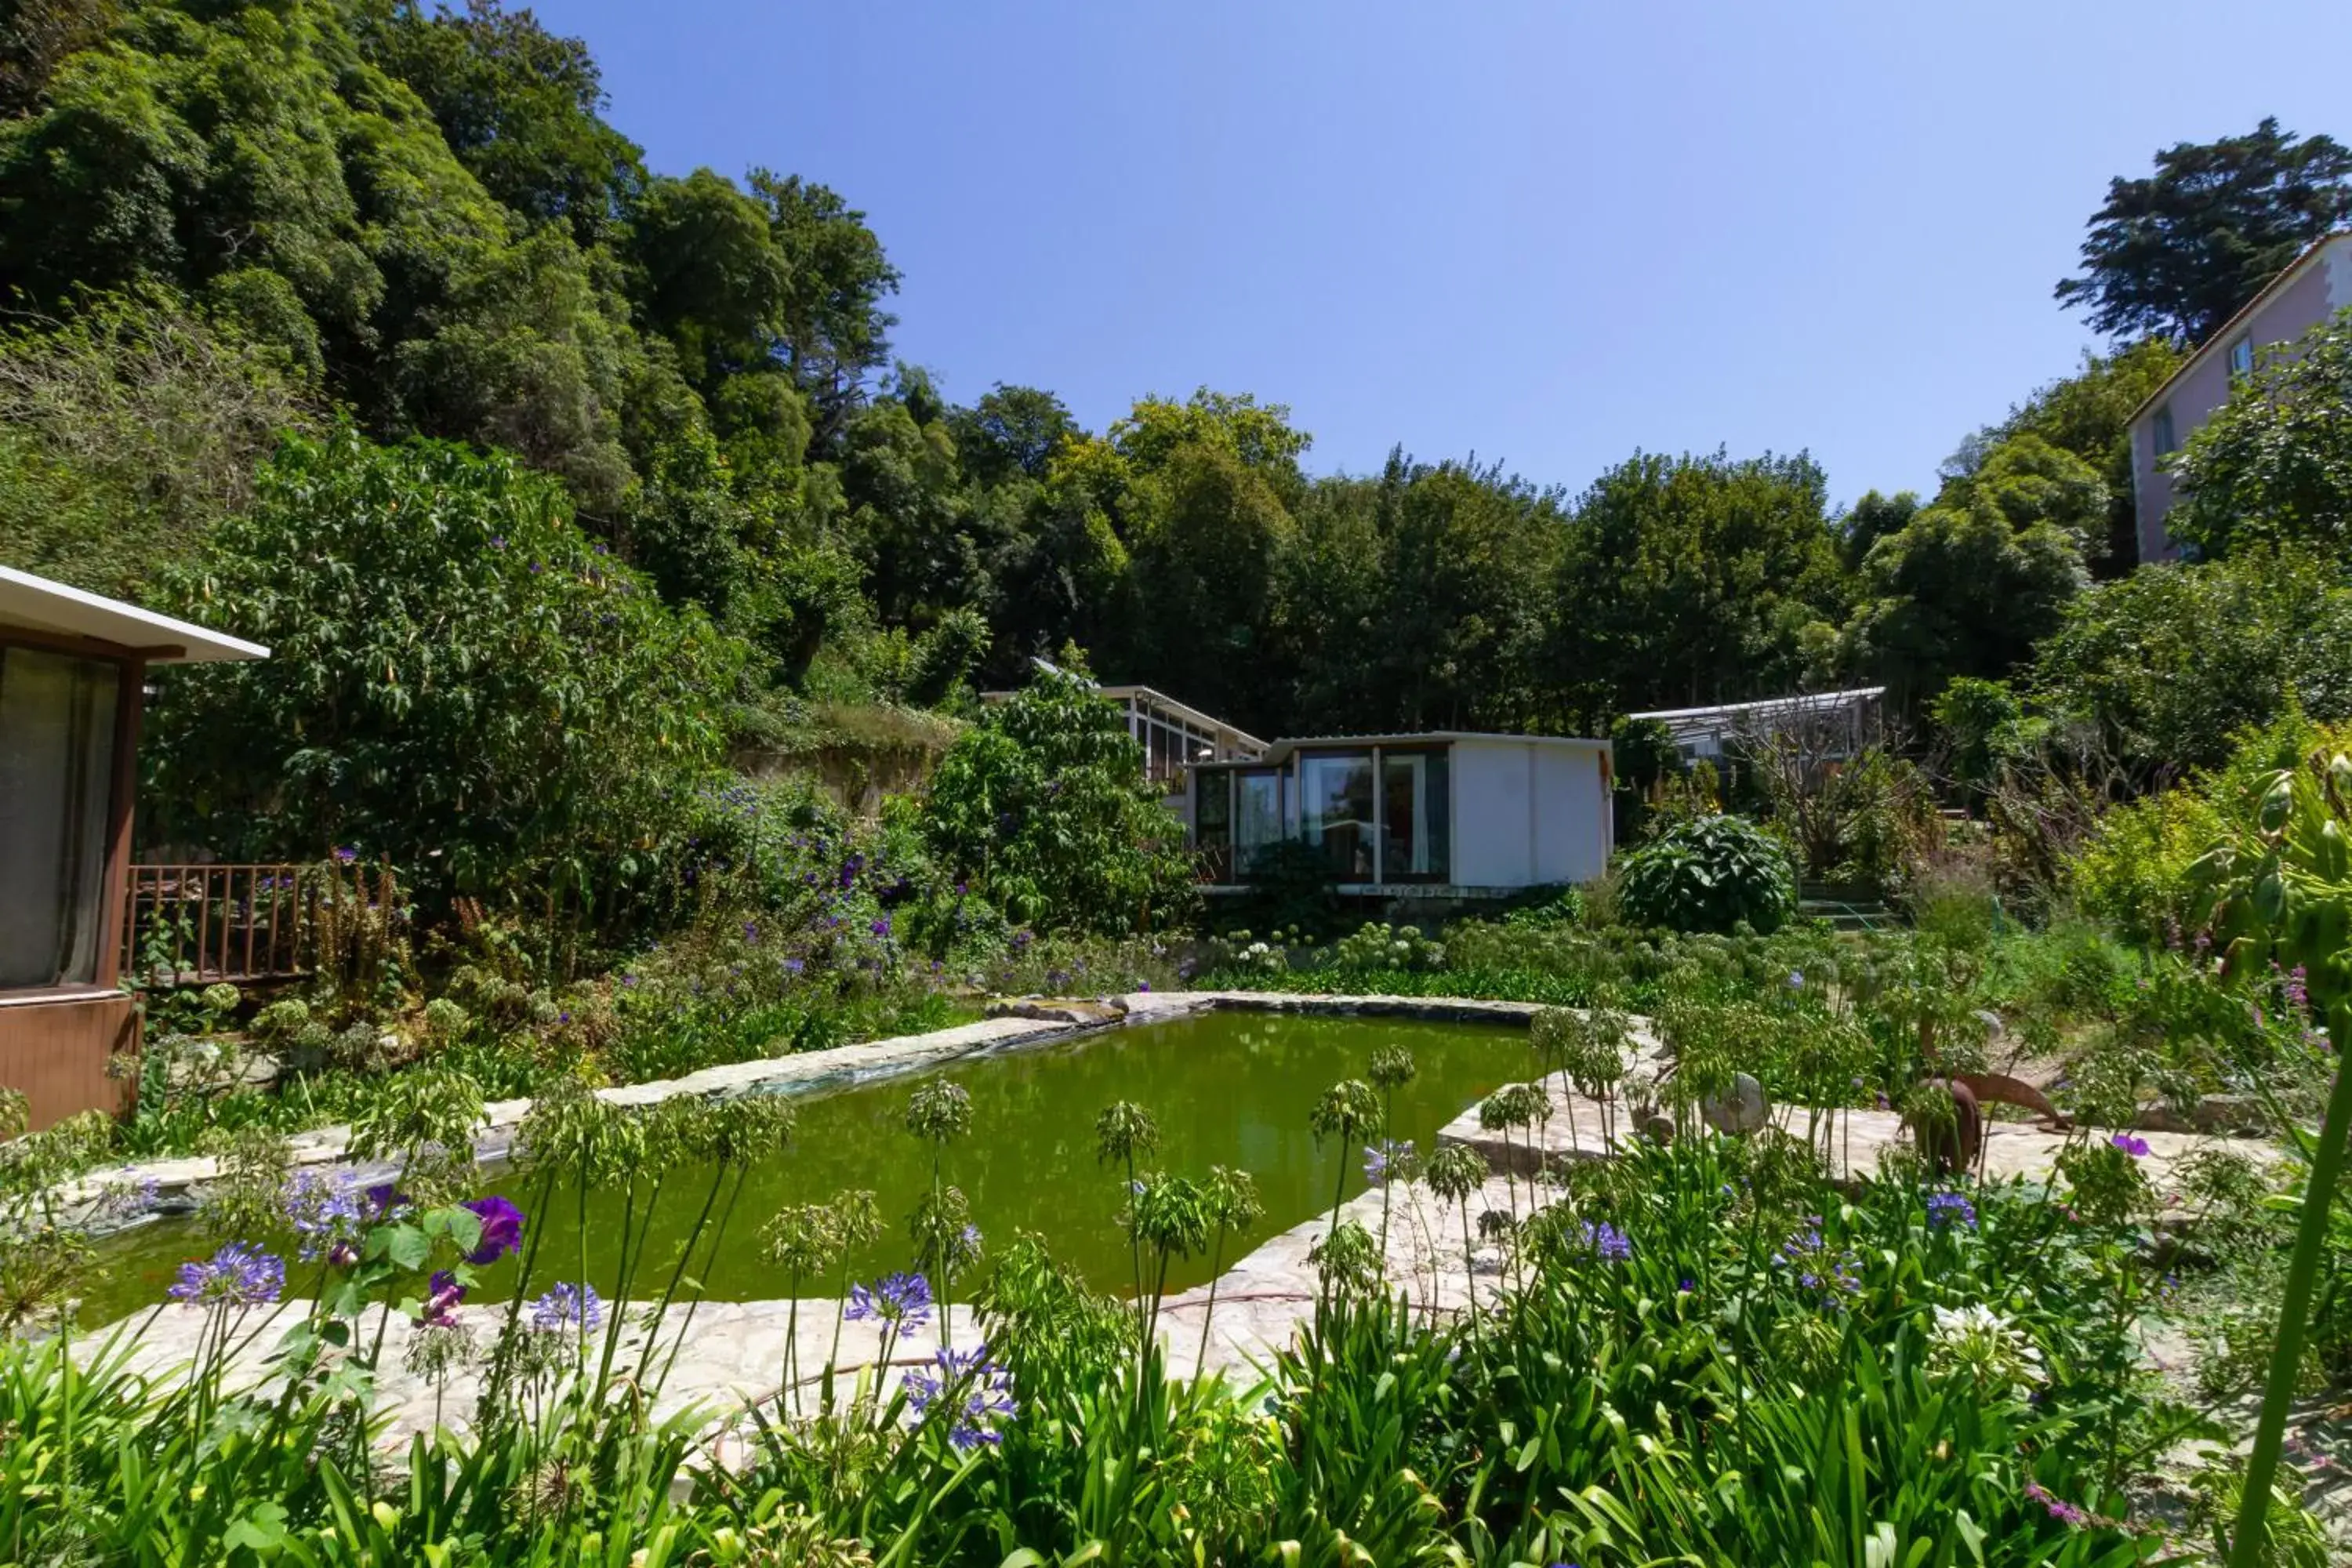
(1551, 234)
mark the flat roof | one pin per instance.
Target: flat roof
(1289, 744)
(43, 606)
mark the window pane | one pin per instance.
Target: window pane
(1335, 811)
(1213, 809)
(1414, 838)
(57, 770)
(1257, 815)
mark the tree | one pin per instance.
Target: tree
(1973, 582)
(2089, 414)
(519, 105)
(1042, 804)
(1420, 599)
(1689, 579)
(458, 679)
(2275, 463)
(2176, 253)
(833, 331)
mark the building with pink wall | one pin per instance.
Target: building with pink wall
(2317, 284)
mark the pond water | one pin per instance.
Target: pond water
(1227, 1088)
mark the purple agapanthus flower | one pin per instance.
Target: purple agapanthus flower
(346, 854)
(1381, 1160)
(1948, 1209)
(901, 1298)
(881, 926)
(2135, 1147)
(501, 1229)
(239, 1275)
(566, 1306)
(441, 1300)
(982, 1392)
(325, 1213)
(794, 965)
(1606, 1241)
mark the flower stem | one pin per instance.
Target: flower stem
(2246, 1549)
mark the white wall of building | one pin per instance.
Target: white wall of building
(1525, 813)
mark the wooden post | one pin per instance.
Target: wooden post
(122, 798)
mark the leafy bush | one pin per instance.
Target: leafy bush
(1711, 874)
(1043, 806)
(458, 681)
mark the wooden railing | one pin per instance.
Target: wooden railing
(193, 925)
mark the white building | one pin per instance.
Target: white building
(1438, 815)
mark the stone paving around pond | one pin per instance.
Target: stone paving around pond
(733, 1353)
(1580, 1127)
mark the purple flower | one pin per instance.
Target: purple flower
(1144, 985)
(1380, 1161)
(323, 1212)
(239, 1275)
(751, 931)
(502, 1228)
(794, 965)
(901, 1298)
(629, 982)
(441, 1302)
(978, 1390)
(497, 541)
(568, 1305)
(1612, 1244)
(2135, 1147)
(2062, 1511)
(346, 854)
(881, 926)
(1796, 980)
(1947, 1209)
(959, 888)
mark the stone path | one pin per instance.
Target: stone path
(1580, 1127)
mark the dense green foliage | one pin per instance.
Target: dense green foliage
(2176, 252)
(2168, 664)
(1710, 873)
(1044, 806)
(459, 680)
(2274, 465)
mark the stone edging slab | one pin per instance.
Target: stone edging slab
(837, 1065)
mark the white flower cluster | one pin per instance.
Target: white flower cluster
(1977, 1345)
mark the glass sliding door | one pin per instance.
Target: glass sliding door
(1415, 817)
(1257, 816)
(1212, 820)
(57, 781)
(1335, 811)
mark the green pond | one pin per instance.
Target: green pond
(1227, 1088)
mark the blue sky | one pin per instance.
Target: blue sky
(1548, 234)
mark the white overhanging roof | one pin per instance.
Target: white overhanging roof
(43, 606)
(1284, 748)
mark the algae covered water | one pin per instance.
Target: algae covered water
(1226, 1088)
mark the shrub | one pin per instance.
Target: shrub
(458, 682)
(1043, 807)
(1710, 874)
